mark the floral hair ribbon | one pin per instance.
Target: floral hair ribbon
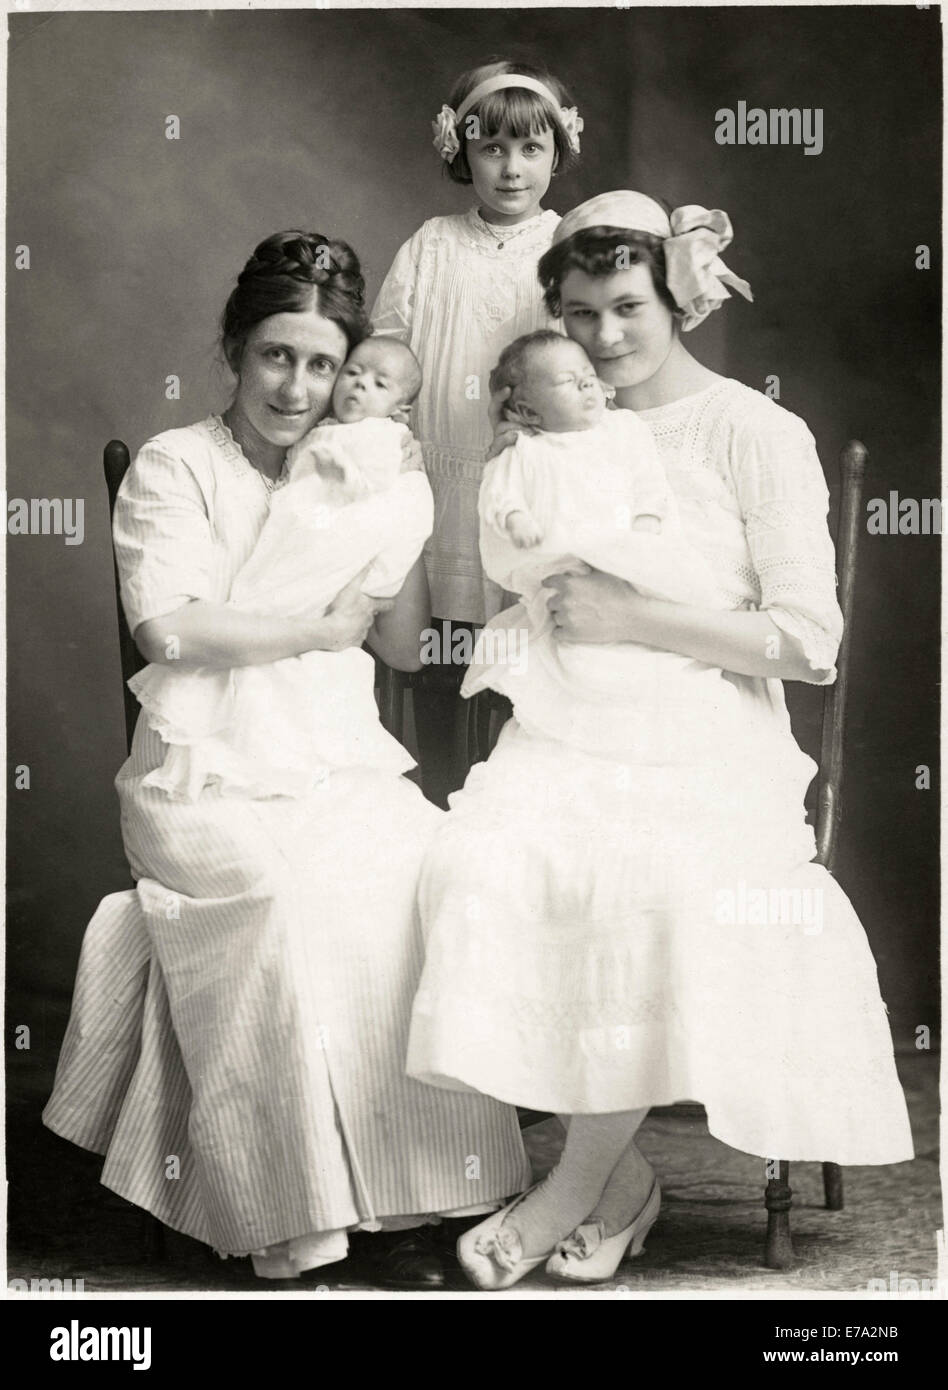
(692, 238)
(445, 125)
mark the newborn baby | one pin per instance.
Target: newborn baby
(279, 728)
(587, 486)
(356, 450)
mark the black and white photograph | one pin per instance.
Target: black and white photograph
(473, 655)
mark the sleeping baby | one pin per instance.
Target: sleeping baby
(586, 486)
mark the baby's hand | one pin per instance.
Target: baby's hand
(412, 458)
(523, 530)
(324, 463)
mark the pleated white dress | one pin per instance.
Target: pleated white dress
(617, 933)
(239, 1026)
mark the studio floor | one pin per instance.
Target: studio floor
(709, 1237)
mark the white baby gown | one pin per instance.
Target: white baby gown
(280, 727)
(584, 488)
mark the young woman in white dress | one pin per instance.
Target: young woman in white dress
(458, 291)
(239, 1026)
(617, 933)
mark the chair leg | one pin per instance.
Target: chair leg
(833, 1186)
(154, 1249)
(778, 1198)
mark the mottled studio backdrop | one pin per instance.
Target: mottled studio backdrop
(320, 119)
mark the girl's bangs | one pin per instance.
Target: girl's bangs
(516, 110)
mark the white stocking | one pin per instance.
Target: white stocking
(594, 1145)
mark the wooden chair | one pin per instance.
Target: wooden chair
(485, 717)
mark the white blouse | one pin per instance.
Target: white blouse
(458, 292)
(753, 499)
(187, 516)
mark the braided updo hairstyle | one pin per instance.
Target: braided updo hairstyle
(289, 273)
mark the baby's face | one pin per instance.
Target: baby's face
(371, 383)
(562, 389)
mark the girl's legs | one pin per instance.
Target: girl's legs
(439, 712)
(595, 1147)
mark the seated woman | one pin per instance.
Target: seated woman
(620, 931)
(256, 1099)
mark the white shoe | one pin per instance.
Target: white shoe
(588, 1256)
(491, 1254)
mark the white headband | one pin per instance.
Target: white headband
(691, 237)
(445, 125)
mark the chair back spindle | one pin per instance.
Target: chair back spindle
(852, 470)
(115, 460)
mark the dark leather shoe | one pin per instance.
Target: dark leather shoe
(402, 1260)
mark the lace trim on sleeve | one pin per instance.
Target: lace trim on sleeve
(784, 501)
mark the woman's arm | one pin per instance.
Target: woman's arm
(396, 634)
(215, 634)
(795, 632)
(598, 607)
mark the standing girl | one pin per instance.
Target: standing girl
(459, 290)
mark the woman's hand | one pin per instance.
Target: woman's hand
(504, 422)
(412, 458)
(590, 606)
(348, 620)
(594, 607)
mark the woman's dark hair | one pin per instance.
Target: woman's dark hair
(602, 251)
(516, 109)
(289, 273)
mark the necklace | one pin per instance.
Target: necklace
(517, 230)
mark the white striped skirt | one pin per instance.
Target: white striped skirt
(239, 1026)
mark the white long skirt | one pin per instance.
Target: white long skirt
(239, 1027)
(606, 937)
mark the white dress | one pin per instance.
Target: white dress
(618, 935)
(584, 489)
(458, 299)
(281, 727)
(237, 1039)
